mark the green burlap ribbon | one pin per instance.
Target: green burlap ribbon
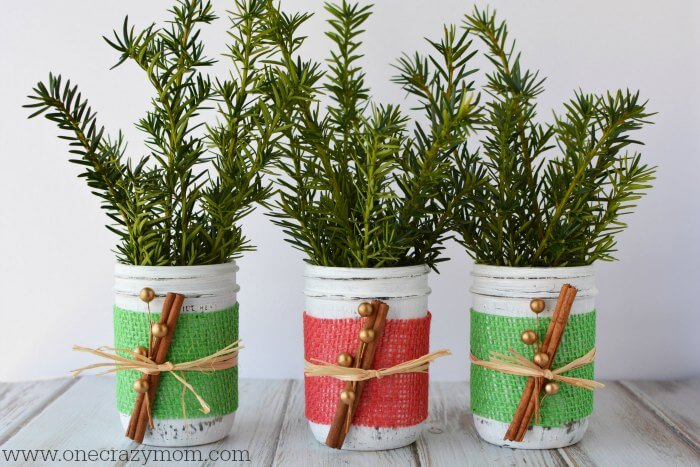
(496, 395)
(197, 335)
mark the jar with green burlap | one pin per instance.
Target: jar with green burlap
(208, 322)
(500, 313)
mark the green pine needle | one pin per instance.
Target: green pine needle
(362, 186)
(534, 209)
(181, 203)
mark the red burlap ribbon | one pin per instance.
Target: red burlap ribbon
(392, 401)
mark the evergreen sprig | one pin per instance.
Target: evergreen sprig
(539, 210)
(359, 187)
(180, 204)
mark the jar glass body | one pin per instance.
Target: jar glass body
(208, 322)
(501, 298)
(331, 323)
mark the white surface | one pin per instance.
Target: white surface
(336, 293)
(55, 260)
(639, 425)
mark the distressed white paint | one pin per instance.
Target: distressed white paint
(207, 289)
(174, 433)
(537, 437)
(371, 438)
(507, 291)
(336, 293)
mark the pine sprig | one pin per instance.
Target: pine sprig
(166, 209)
(541, 210)
(441, 84)
(361, 188)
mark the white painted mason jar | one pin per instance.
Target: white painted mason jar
(208, 322)
(333, 295)
(501, 299)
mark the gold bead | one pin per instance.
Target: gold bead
(159, 329)
(147, 294)
(367, 335)
(347, 397)
(345, 359)
(141, 386)
(541, 359)
(365, 309)
(537, 305)
(141, 350)
(528, 337)
(551, 388)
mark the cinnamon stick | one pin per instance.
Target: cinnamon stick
(550, 348)
(514, 426)
(131, 429)
(161, 352)
(520, 416)
(363, 359)
(382, 310)
(528, 404)
(553, 336)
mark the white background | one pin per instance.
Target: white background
(56, 264)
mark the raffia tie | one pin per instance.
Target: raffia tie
(221, 360)
(517, 364)
(418, 365)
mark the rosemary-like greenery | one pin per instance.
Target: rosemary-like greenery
(534, 209)
(181, 202)
(362, 186)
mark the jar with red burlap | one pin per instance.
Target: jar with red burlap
(393, 408)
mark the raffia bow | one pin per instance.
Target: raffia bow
(517, 364)
(418, 365)
(221, 360)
